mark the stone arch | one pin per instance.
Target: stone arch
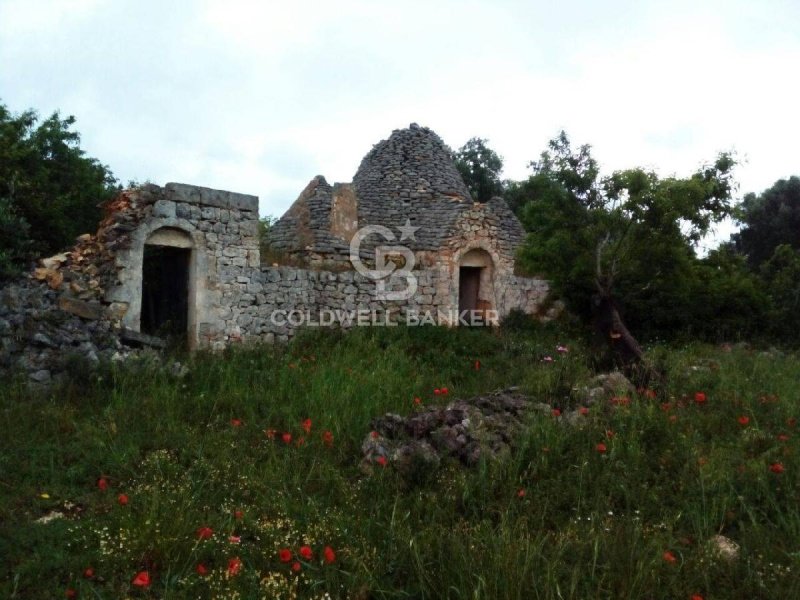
(170, 233)
(168, 284)
(476, 281)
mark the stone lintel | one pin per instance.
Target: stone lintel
(194, 194)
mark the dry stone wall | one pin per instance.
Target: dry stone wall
(88, 301)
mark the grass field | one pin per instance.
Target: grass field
(204, 498)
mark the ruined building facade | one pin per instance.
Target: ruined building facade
(188, 259)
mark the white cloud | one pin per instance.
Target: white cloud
(261, 96)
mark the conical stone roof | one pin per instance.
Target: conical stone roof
(411, 176)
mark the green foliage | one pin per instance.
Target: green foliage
(730, 300)
(48, 179)
(15, 244)
(590, 524)
(480, 166)
(769, 220)
(781, 278)
(629, 235)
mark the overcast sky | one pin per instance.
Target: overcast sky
(258, 97)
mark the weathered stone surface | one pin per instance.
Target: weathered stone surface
(602, 387)
(407, 183)
(193, 194)
(141, 340)
(85, 310)
(466, 430)
(725, 548)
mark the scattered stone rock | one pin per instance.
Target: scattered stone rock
(41, 376)
(602, 387)
(725, 547)
(464, 429)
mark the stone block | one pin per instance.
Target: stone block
(193, 194)
(164, 209)
(85, 310)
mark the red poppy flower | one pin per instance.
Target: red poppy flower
(300, 441)
(669, 557)
(88, 572)
(204, 533)
(700, 397)
(238, 514)
(601, 448)
(620, 400)
(381, 460)
(477, 365)
(70, 593)
(696, 597)
(521, 493)
(610, 434)
(417, 400)
(743, 420)
(327, 439)
(306, 425)
(666, 406)
(583, 410)
(122, 499)
(651, 394)
(374, 435)
(201, 569)
(287, 438)
(234, 565)
(142, 579)
(306, 553)
(329, 555)
(285, 555)
(445, 391)
(236, 422)
(776, 468)
(782, 437)
(270, 433)
(296, 567)
(437, 391)
(235, 539)
(102, 484)
(556, 412)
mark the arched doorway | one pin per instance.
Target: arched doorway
(167, 309)
(475, 282)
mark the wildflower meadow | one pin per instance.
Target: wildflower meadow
(241, 476)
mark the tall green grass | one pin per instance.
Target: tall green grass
(555, 518)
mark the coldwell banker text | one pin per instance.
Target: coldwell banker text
(383, 318)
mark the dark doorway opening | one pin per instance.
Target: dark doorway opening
(165, 292)
(469, 282)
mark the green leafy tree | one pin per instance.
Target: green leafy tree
(480, 166)
(15, 244)
(621, 241)
(726, 300)
(769, 220)
(781, 277)
(48, 180)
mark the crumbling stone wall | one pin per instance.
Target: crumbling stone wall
(89, 300)
(223, 227)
